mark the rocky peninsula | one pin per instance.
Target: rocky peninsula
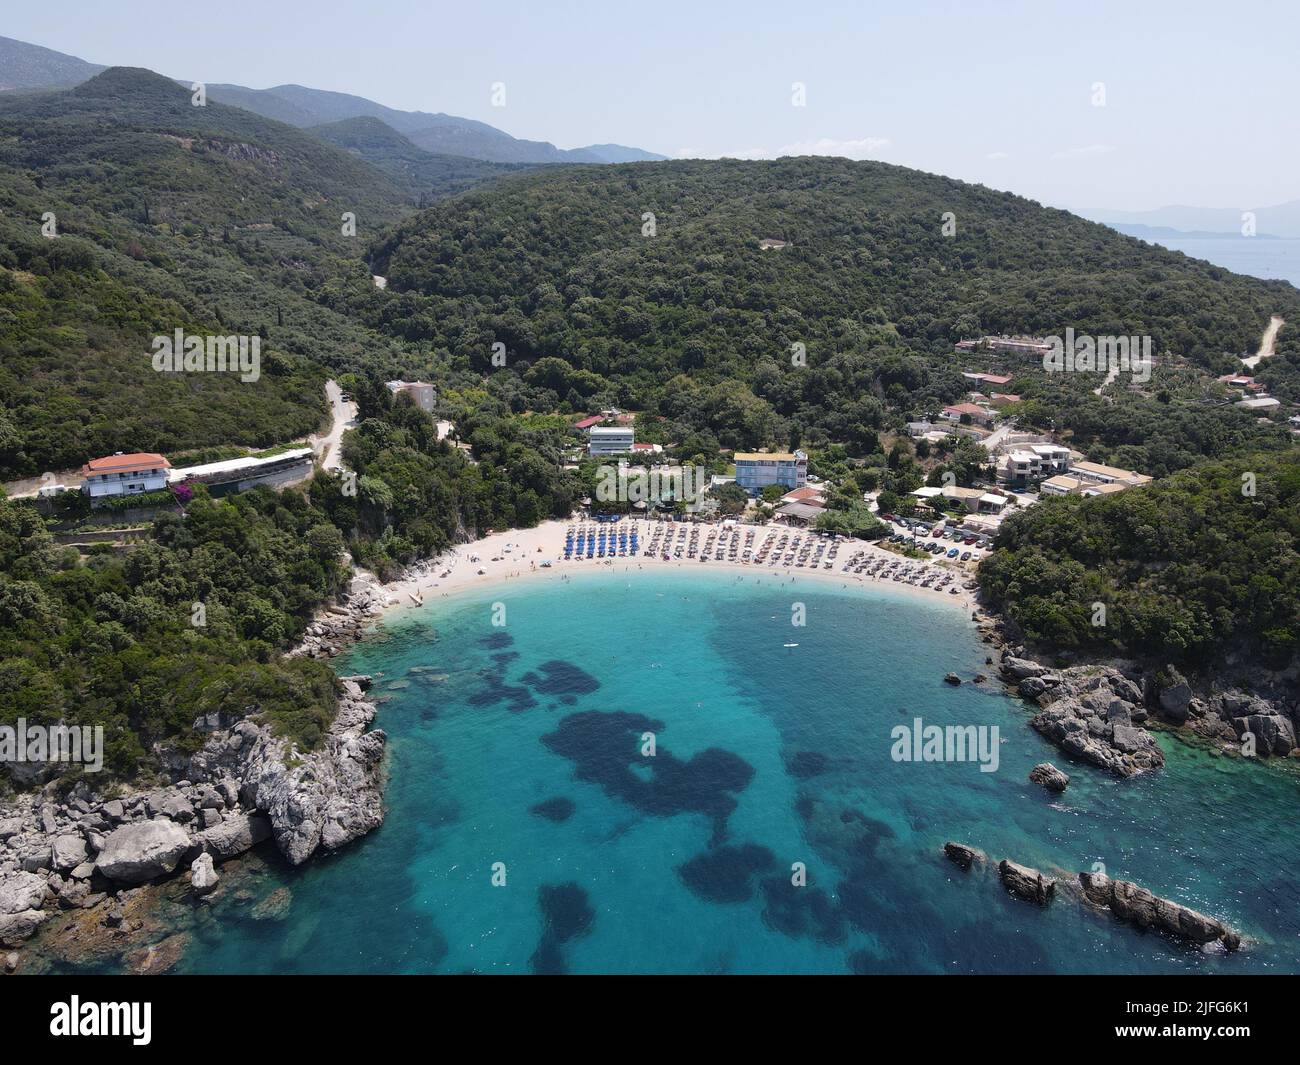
(88, 851)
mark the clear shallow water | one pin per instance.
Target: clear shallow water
(766, 756)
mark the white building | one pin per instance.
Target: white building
(122, 475)
(610, 439)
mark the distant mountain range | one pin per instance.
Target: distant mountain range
(1282, 220)
(28, 67)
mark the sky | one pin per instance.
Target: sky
(1093, 104)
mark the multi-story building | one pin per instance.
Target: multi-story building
(121, 474)
(610, 439)
(755, 470)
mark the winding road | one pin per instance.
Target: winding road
(343, 416)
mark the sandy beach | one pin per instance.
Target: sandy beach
(518, 555)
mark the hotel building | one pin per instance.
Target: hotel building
(610, 439)
(755, 470)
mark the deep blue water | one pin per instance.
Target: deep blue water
(1269, 258)
(522, 745)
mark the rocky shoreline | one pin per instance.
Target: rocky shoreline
(92, 853)
(1098, 712)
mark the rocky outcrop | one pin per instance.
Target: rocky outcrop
(951, 678)
(1139, 907)
(22, 896)
(203, 877)
(242, 832)
(1026, 883)
(1092, 713)
(83, 852)
(1048, 776)
(1173, 695)
(962, 855)
(325, 798)
(134, 854)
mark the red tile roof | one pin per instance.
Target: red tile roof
(587, 423)
(137, 460)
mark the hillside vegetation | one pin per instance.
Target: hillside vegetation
(698, 324)
(169, 216)
(1190, 569)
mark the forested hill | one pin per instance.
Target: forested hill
(426, 176)
(169, 215)
(556, 264)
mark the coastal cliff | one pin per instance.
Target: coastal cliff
(246, 784)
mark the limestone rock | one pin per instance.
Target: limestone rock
(1175, 697)
(962, 855)
(1026, 883)
(22, 891)
(67, 853)
(241, 833)
(142, 851)
(203, 877)
(1049, 777)
(1141, 908)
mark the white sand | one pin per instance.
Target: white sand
(519, 559)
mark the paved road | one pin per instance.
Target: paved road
(343, 417)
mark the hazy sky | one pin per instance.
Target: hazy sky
(1200, 99)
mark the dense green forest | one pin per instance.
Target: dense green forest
(113, 640)
(1190, 568)
(425, 176)
(697, 323)
(170, 215)
(416, 495)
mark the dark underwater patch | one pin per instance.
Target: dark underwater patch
(605, 746)
(495, 690)
(497, 640)
(805, 764)
(566, 914)
(726, 873)
(802, 911)
(562, 678)
(557, 809)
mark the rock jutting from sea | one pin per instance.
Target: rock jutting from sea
(1122, 899)
(246, 784)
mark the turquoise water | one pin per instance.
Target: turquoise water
(522, 745)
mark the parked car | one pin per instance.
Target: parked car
(965, 556)
(952, 553)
